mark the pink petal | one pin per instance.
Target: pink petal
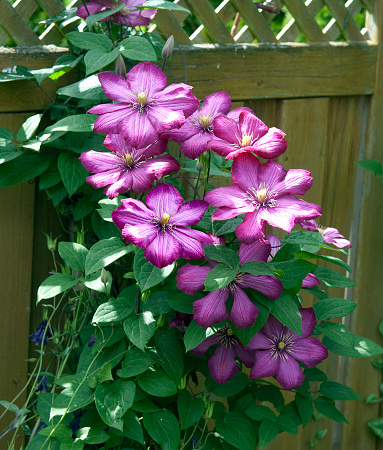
(252, 228)
(108, 122)
(116, 143)
(297, 181)
(272, 327)
(205, 345)
(308, 321)
(258, 251)
(217, 103)
(231, 196)
(191, 247)
(195, 234)
(160, 166)
(186, 131)
(259, 342)
(142, 181)
(271, 173)
(141, 234)
(245, 170)
(146, 77)
(271, 145)
(265, 365)
(178, 97)
(133, 212)
(246, 356)
(96, 162)
(103, 178)
(222, 365)
(310, 281)
(153, 149)
(116, 88)
(211, 309)
(221, 147)
(137, 129)
(225, 213)
(163, 250)
(164, 198)
(309, 225)
(226, 129)
(269, 286)
(243, 313)
(289, 374)
(163, 119)
(332, 236)
(250, 124)
(310, 351)
(124, 184)
(234, 114)
(190, 213)
(92, 7)
(275, 243)
(191, 279)
(196, 145)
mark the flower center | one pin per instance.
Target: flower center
(226, 337)
(125, 11)
(261, 197)
(164, 219)
(282, 345)
(204, 121)
(141, 99)
(129, 159)
(247, 139)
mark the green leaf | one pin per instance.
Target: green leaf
(9, 152)
(63, 65)
(55, 284)
(219, 277)
(221, 227)
(246, 334)
(169, 354)
(24, 168)
(50, 178)
(304, 238)
(333, 307)
(256, 268)
(89, 41)
(156, 303)
(135, 362)
(156, 382)
(337, 332)
(73, 255)
(337, 391)
(140, 329)
(94, 282)
(104, 253)
(98, 59)
(132, 427)
(315, 374)
(189, 408)
(76, 123)
(107, 207)
(93, 18)
(362, 347)
(44, 404)
(376, 426)
(326, 406)
(372, 398)
(164, 429)
(305, 408)
(87, 89)
(371, 165)
(331, 259)
(294, 271)
(268, 431)
(112, 353)
(260, 413)
(163, 4)
(72, 172)
(146, 274)
(138, 49)
(195, 334)
(112, 311)
(61, 432)
(182, 302)
(91, 436)
(287, 312)
(232, 387)
(28, 128)
(113, 400)
(223, 255)
(333, 279)
(18, 73)
(237, 430)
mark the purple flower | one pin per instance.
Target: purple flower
(92, 340)
(129, 14)
(278, 349)
(127, 167)
(197, 130)
(264, 192)
(329, 235)
(143, 107)
(39, 335)
(212, 309)
(309, 281)
(162, 226)
(222, 365)
(181, 321)
(249, 135)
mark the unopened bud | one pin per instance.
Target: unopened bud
(51, 243)
(104, 276)
(167, 51)
(161, 321)
(182, 384)
(209, 410)
(120, 67)
(206, 155)
(199, 166)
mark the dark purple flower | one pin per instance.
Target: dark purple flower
(181, 321)
(128, 15)
(277, 350)
(39, 335)
(197, 130)
(222, 365)
(264, 192)
(43, 384)
(92, 340)
(329, 235)
(249, 135)
(144, 108)
(212, 309)
(162, 226)
(127, 168)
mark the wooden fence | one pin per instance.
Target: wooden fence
(321, 84)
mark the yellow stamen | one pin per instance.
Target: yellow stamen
(165, 219)
(261, 194)
(129, 159)
(229, 332)
(141, 98)
(204, 120)
(246, 140)
(281, 345)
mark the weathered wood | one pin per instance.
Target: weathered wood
(169, 25)
(345, 20)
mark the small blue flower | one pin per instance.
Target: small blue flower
(38, 336)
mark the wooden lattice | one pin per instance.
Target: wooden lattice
(232, 21)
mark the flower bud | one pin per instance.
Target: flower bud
(167, 51)
(51, 243)
(182, 384)
(104, 276)
(120, 67)
(199, 166)
(161, 321)
(209, 410)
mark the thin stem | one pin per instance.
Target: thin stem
(86, 8)
(110, 33)
(163, 64)
(190, 184)
(196, 184)
(207, 175)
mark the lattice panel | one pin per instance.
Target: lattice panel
(232, 21)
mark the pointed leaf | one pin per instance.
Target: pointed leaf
(140, 328)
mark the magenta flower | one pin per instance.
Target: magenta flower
(222, 365)
(162, 226)
(144, 108)
(249, 135)
(129, 14)
(278, 349)
(264, 192)
(127, 168)
(309, 281)
(212, 309)
(197, 130)
(329, 235)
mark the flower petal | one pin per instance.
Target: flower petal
(186, 131)
(223, 148)
(222, 365)
(243, 313)
(272, 327)
(252, 126)
(137, 129)
(332, 236)
(205, 345)
(271, 145)
(258, 251)
(216, 103)
(196, 145)
(310, 351)
(211, 309)
(226, 129)
(252, 228)
(116, 143)
(310, 281)
(163, 119)
(289, 374)
(103, 178)
(191, 247)
(265, 365)
(96, 162)
(146, 77)
(308, 321)
(259, 342)
(116, 88)
(164, 198)
(245, 170)
(246, 356)
(163, 250)
(108, 122)
(160, 166)
(190, 213)
(271, 173)
(269, 286)
(178, 97)
(297, 181)
(191, 279)
(231, 196)
(141, 180)
(123, 184)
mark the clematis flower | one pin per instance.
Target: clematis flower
(128, 15)
(277, 350)
(265, 193)
(222, 365)
(249, 135)
(162, 226)
(143, 107)
(329, 235)
(212, 309)
(38, 337)
(127, 168)
(181, 321)
(197, 130)
(309, 281)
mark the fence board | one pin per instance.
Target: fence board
(16, 26)
(345, 20)
(169, 25)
